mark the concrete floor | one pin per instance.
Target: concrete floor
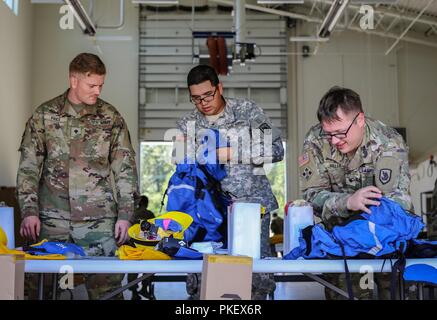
(284, 291)
(176, 291)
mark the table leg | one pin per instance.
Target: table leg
(125, 287)
(41, 286)
(55, 286)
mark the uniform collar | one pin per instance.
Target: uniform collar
(67, 108)
(363, 153)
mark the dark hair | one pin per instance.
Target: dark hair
(144, 201)
(337, 97)
(202, 73)
(87, 63)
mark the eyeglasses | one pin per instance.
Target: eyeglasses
(207, 98)
(340, 135)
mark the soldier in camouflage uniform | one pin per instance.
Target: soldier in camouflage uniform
(70, 147)
(245, 178)
(348, 162)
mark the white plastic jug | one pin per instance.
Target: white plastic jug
(244, 229)
(298, 215)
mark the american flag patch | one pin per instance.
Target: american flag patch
(303, 159)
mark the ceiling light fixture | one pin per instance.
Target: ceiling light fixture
(334, 13)
(82, 17)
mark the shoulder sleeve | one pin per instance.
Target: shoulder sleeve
(266, 138)
(392, 174)
(122, 158)
(33, 152)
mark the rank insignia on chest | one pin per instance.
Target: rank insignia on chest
(385, 176)
(75, 131)
(307, 173)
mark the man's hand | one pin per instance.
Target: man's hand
(224, 154)
(30, 228)
(121, 228)
(363, 197)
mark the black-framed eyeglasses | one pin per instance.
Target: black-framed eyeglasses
(340, 135)
(207, 98)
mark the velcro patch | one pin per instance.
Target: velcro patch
(387, 173)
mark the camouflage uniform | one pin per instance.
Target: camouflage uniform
(245, 179)
(329, 177)
(64, 176)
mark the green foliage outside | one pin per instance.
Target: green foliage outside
(276, 177)
(156, 170)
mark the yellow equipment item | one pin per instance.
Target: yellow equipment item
(182, 218)
(6, 250)
(140, 241)
(140, 253)
(3, 237)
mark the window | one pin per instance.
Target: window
(155, 171)
(13, 5)
(276, 173)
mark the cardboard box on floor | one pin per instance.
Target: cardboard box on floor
(11, 277)
(226, 278)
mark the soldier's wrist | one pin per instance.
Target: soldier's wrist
(29, 214)
(124, 216)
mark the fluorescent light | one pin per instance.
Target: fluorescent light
(280, 1)
(155, 1)
(82, 17)
(334, 13)
(307, 39)
(114, 38)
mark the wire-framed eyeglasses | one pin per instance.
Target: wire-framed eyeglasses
(206, 98)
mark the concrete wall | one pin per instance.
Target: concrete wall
(422, 180)
(350, 60)
(16, 38)
(417, 68)
(54, 49)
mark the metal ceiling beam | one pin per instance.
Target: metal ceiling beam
(392, 14)
(409, 27)
(272, 11)
(317, 20)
